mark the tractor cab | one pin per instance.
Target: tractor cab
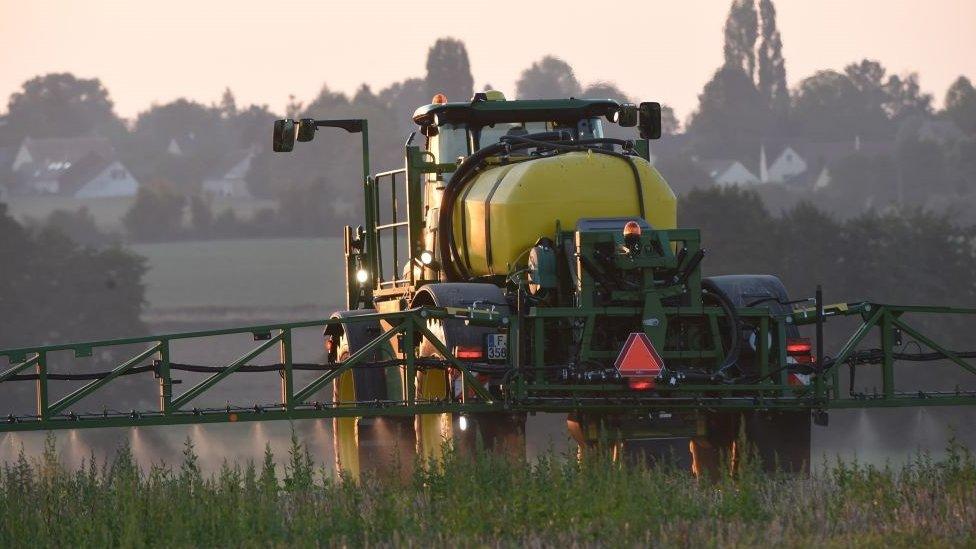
(456, 130)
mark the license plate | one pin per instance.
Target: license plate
(496, 347)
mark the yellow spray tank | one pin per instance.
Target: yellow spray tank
(505, 209)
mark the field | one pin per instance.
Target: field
(550, 501)
(108, 212)
(268, 273)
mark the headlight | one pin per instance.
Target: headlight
(426, 257)
(362, 276)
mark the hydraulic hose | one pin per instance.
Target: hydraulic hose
(732, 356)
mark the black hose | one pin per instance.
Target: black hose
(732, 357)
(476, 367)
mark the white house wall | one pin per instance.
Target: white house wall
(788, 164)
(104, 185)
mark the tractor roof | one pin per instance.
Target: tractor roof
(481, 112)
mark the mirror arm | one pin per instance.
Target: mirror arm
(351, 125)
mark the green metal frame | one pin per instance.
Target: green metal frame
(521, 393)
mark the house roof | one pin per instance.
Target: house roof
(81, 172)
(229, 161)
(66, 149)
(718, 166)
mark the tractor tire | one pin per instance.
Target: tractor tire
(378, 445)
(781, 440)
(498, 433)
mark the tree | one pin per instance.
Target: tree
(669, 121)
(683, 174)
(898, 96)
(961, 165)
(403, 98)
(960, 104)
(548, 78)
(60, 105)
(228, 104)
(201, 215)
(156, 214)
(829, 106)
(904, 98)
(772, 67)
(732, 117)
(54, 290)
(859, 182)
(449, 71)
(605, 90)
(734, 226)
(741, 31)
(79, 225)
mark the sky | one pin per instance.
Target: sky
(154, 51)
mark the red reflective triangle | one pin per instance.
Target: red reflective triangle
(638, 357)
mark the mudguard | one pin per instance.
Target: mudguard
(462, 294)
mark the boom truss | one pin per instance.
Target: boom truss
(527, 388)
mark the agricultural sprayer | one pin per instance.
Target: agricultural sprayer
(519, 263)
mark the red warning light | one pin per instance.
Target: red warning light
(638, 357)
(439, 99)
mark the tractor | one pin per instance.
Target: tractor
(528, 209)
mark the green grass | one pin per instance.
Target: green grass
(285, 272)
(483, 502)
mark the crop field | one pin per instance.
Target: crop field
(551, 500)
(278, 273)
(108, 212)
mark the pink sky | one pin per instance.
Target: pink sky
(149, 51)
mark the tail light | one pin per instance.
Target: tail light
(800, 349)
(640, 383)
(468, 352)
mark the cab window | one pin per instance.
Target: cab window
(450, 142)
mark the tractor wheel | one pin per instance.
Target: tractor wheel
(779, 440)
(501, 433)
(377, 444)
(586, 432)
(713, 451)
(434, 432)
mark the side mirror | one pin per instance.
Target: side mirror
(649, 120)
(306, 129)
(284, 135)
(627, 115)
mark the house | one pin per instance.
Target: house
(80, 166)
(787, 165)
(729, 172)
(97, 177)
(40, 152)
(807, 163)
(228, 176)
